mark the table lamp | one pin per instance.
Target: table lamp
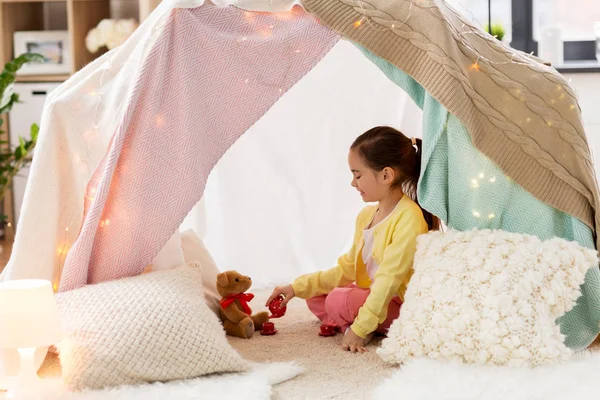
(28, 319)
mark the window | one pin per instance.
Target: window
(575, 18)
(477, 12)
(524, 20)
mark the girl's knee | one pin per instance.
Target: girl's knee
(316, 304)
(336, 304)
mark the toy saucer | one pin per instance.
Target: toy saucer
(328, 334)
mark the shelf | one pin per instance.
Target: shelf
(583, 66)
(33, 1)
(43, 78)
(46, 1)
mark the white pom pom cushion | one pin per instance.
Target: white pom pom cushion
(152, 327)
(488, 297)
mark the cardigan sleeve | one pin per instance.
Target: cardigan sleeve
(323, 282)
(344, 273)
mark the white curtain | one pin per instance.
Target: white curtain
(279, 203)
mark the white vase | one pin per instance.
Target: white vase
(551, 46)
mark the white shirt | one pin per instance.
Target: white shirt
(367, 251)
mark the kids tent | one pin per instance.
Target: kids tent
(128, 143)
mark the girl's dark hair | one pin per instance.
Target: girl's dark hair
(382, 147)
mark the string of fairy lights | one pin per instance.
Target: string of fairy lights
(508, 56)
(97, 94)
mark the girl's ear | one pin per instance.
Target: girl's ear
(388, 175)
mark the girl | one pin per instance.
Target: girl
(362, 294)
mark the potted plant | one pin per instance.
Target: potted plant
(16, 156)
(497, 31)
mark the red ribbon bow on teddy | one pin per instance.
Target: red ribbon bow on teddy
(243, 298)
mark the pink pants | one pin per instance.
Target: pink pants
(340, 307)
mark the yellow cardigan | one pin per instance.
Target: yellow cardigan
(394, 248)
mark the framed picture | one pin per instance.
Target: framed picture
(53, 45)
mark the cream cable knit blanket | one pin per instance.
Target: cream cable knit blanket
(521, 113)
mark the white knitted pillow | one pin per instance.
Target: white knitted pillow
(488, 297)
(152, 327)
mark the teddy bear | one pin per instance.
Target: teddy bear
(234, 310)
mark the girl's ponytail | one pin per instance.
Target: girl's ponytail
(432, 221)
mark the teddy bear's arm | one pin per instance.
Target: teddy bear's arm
(233, 313)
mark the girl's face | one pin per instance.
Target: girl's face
(372, 185)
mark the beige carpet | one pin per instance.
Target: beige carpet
(330, 372)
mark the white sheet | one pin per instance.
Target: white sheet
(279, 203)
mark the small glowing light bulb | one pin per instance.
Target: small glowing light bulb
(476, 214)
(474, 183)
(357, 23)
(481, 175)
(492, 179)
(491, 216)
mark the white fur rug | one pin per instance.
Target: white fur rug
(253, 385)
(426, 379)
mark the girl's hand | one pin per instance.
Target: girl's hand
(287, 292)
(354, 343)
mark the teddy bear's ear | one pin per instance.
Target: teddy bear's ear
(222, 279)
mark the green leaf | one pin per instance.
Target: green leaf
(8, 75)
(14, 98)
(35, 130)
(18, 153)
